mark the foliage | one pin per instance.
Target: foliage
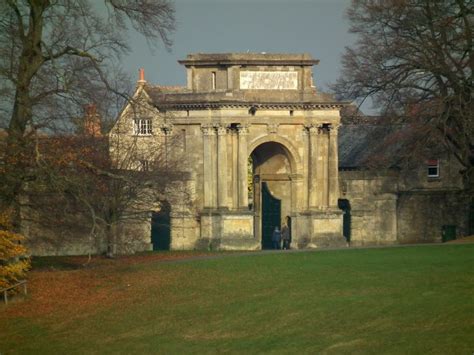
(56, 57)
(403, 300)
(13, 261)
(415, 58)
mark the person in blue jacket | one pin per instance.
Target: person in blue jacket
(276, 238)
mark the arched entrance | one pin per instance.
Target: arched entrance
(272, 189)
(160, 227)
(345, 206)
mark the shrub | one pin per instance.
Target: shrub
(13, 260)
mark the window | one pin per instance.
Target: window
(142, 127)
(433, 168)
(144, 165)
(213, 80)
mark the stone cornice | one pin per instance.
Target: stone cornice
(267, 59)
(265, 106)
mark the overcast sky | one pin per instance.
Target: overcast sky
(318, 27)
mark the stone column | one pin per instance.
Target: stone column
(324, 165)
(313, 183)
(208, 132)
(222, 167)
(333, 167)
(243, 167)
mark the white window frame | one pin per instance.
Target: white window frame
(144, 165)
(142, 127)
(433, 164)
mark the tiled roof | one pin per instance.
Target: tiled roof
(366, 144)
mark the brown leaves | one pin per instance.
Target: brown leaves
(12, 268)
(87, 289)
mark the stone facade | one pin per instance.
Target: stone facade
(402, 204)
(251, 144)
(236, 106)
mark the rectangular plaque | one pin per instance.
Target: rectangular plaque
(268, 80)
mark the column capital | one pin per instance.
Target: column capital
(312, 129)
(334, 128)
(208, 129)
(243, 129)
(221, 130)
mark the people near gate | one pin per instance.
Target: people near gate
(285, 236)
(276, 238)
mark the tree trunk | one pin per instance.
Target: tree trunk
(111, 240)
(19, 150)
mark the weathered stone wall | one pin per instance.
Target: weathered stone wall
(405, 206)
(373, 202)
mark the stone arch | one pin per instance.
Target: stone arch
(292, 152)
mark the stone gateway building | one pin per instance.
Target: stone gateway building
(236, 109)
(250, 144)
(258, 147)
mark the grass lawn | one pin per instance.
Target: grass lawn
(394, 300)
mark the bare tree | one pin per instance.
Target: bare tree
(55, 55)
(81, 190)
(415, 59)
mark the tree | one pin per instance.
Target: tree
(56, 56)
(415, 59)
(82, 190)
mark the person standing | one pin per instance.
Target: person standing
(285, 236)
(276, 238)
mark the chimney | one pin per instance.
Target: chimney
(141, 76)
(92, 121)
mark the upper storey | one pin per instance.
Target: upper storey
(248, 71)
(244, 79)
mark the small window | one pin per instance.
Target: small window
(213, 80)
(143, 127)
(144, 165)
(291, 112)
(433, 168)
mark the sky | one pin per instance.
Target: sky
(318, 27)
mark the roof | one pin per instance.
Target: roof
(366, 144)
(183, 98)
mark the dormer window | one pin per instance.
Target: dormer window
(433, 168)
(142, 127)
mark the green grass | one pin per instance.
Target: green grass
(394, 300)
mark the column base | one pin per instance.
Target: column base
(320, 229)
(222, 229)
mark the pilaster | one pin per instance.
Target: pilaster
(243, 167)
(314, 183)
(222, 166)
(209, 133)
(333, 167)
(323, 164)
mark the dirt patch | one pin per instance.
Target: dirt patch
(468, 239)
